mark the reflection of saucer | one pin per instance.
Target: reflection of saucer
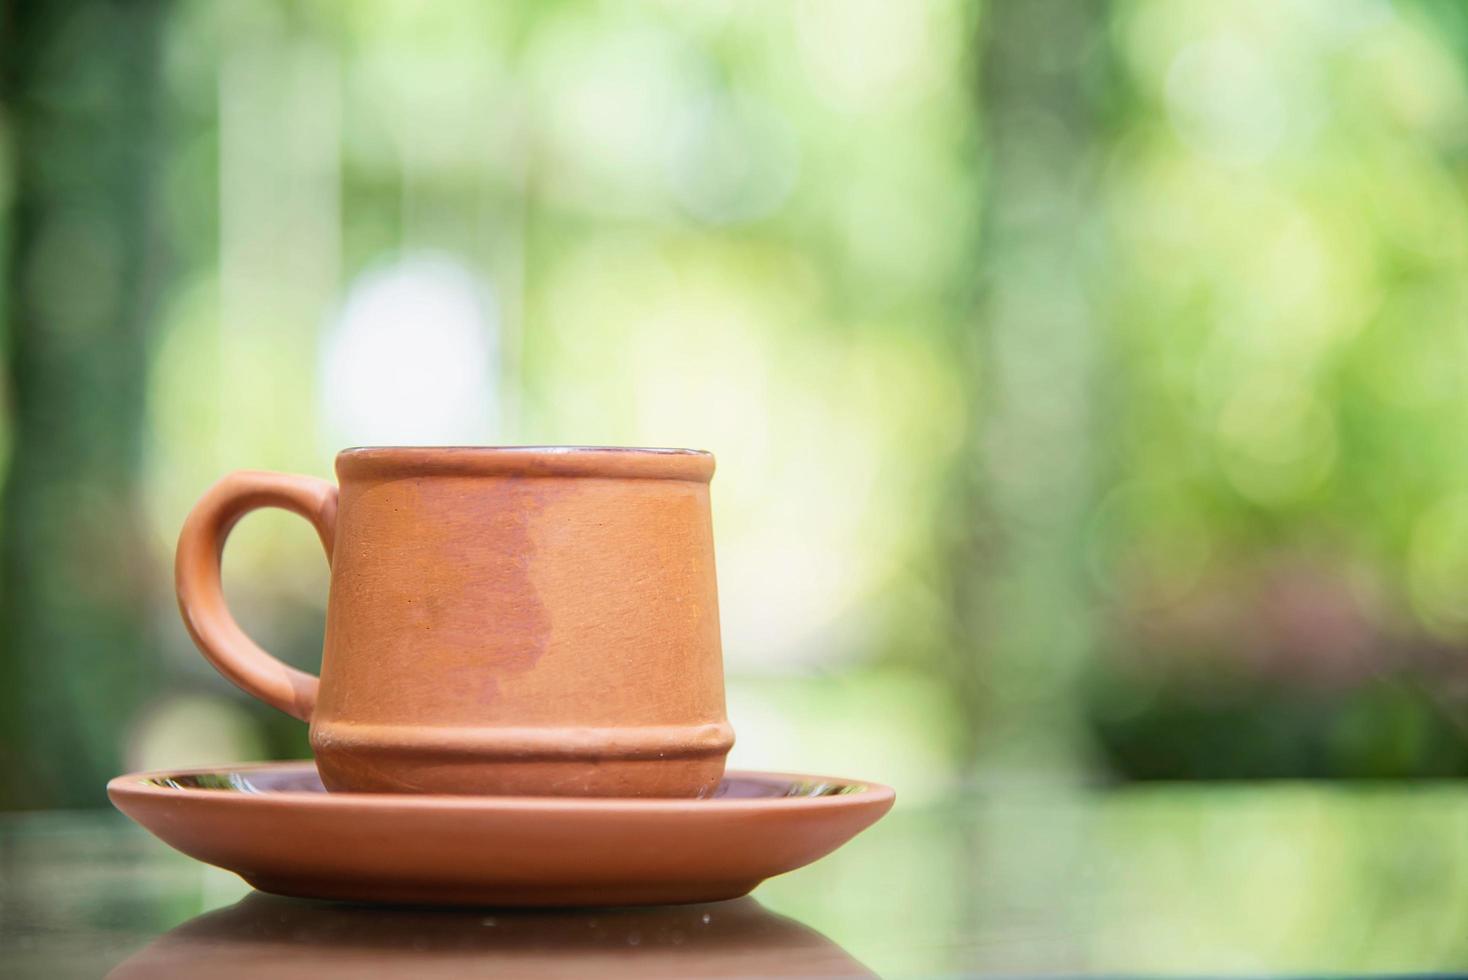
(267, 936)
(276, 827)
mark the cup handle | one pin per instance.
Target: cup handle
(201, 598)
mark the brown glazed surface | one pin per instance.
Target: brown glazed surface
(501, 621)
(274, 826)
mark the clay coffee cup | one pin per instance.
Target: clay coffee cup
(510, 621)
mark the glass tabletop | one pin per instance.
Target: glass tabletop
(1248, 879)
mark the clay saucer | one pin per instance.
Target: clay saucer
(274, 825)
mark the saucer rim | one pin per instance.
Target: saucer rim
(138, 784)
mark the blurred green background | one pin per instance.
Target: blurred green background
(1089, 381)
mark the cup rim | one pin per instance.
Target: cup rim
(551, 461)
(660, 450)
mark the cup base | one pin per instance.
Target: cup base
(667, 761)
(363, 773)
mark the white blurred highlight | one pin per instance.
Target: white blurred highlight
(412, 357)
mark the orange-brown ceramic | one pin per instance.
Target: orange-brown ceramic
(527, 621)
(274, 826)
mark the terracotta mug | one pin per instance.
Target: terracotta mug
(528, 621)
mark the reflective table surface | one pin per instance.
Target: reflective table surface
(1243, 879)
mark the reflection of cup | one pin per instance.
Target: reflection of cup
(504, 621)
(266, 936)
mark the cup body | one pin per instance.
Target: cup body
(522, 621)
